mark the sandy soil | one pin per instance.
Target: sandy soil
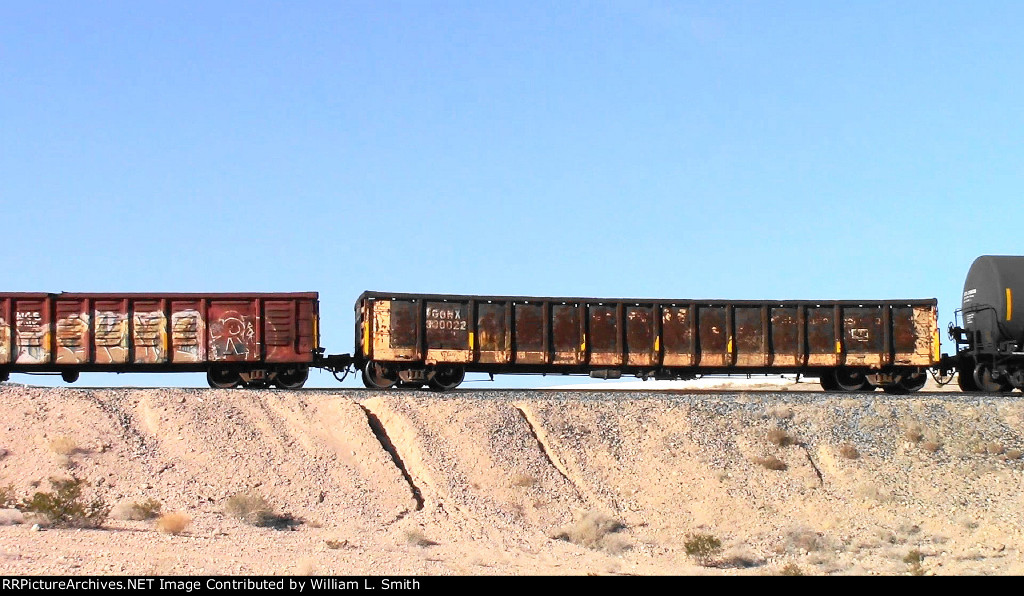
(520, 482)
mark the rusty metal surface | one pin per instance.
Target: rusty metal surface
(535, 334)
(125, 332)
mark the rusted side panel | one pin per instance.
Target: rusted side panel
(603, 335)
(74, 341)
(821, 337)
(567, 339)
(863, 336)
(913, 330)
(32, 331)
(233, 330)
(288, 330)
(447, 328)
(786, 348)
(714, 334)
(751, 337)
(393, 330)
(149, 331)
(5, 330)
(110, 334)
(640, 336)
(188, 330)
(677, 335)
(529, 333)
(492, 339)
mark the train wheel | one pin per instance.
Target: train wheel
(378, 376)
(828, 381)
(848, 379)
(984, 380)
(908, 384)
(446, 378)
(292, 378)
(69, 376)
(223, 378)
(965, 380)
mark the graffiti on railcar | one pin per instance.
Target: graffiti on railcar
(5, 340)
(232, 335)
(32, 337)
(73, 338)
(150, 336)
(187, 332)
(111, 337)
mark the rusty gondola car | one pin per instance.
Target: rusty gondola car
(253, 340)
(412, 340)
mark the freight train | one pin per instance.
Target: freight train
(432, 340)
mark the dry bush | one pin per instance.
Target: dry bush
(849, 451)
(592, 531)
(782, 412)
(11, 517)
(791, 569)
(914, 559)
(771, 462)
(64, 507)
(703, 547)
(63, 445)
(173, 523)
(7, 498)
(804, 540)
(148, 509)
(780, 438)
(417, 538)
(523, 480)
(914, 433)
(1014, 454)
(254, 510)
(931, 446)
(994, 448)
(336, 544)
(305, 567)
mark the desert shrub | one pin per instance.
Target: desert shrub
(914, 559)
(771, 462)
(254, 510)
(336, 544)
(173, 523)
(63, 445)
(148, 509)
(994, 449)
(779, 437)
(417, 538)
(592, 531)
(914, 433)
(805, 540)
(523, 480)
(1014, 454)
(791, 569)
(703, 547)
(64, 507)
(7, 498)
(849, 451)
(931, 446)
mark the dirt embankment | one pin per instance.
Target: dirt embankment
(518, 482)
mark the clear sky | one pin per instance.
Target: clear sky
(735, 150)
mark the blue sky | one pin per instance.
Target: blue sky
(658, 149)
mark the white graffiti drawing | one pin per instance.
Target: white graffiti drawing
(232, 335)
(150, 336)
